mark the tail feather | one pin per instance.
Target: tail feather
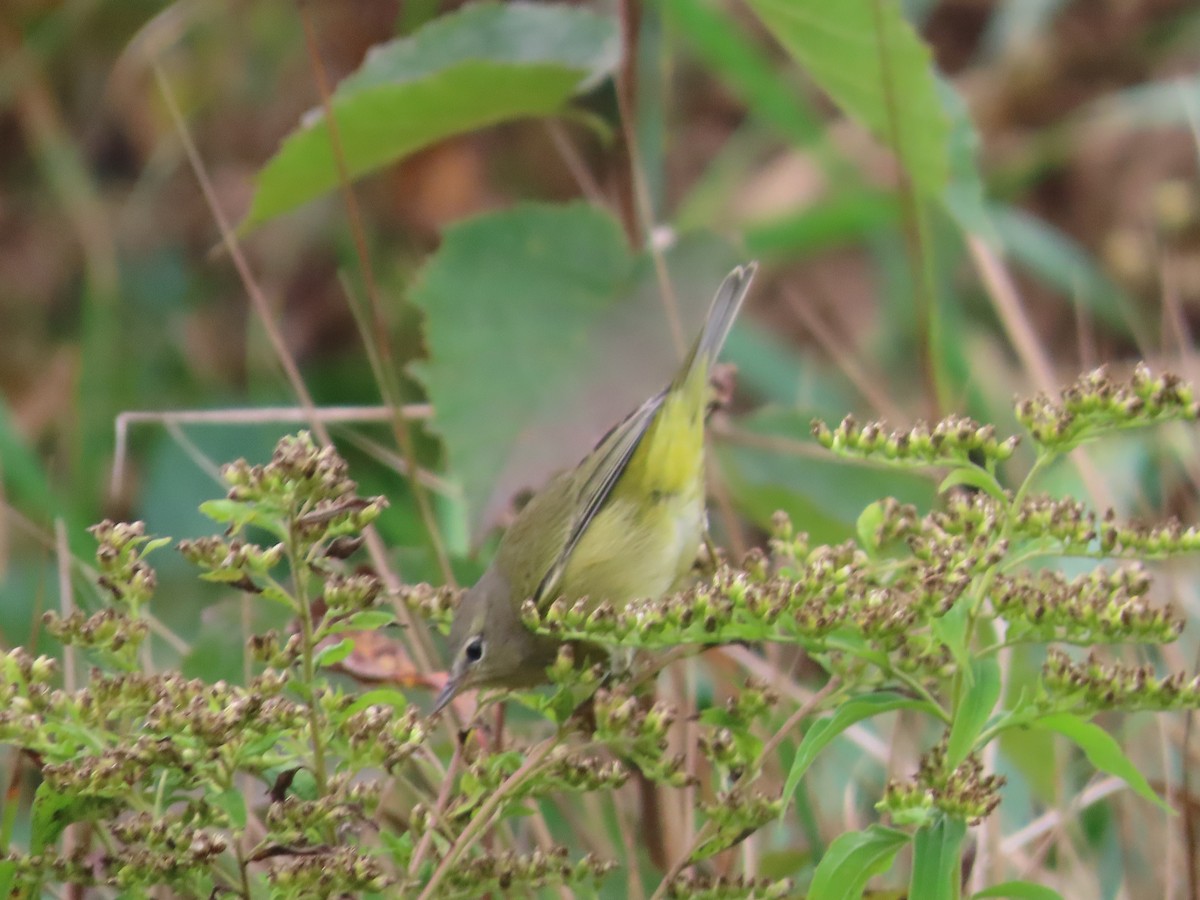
(724, 309)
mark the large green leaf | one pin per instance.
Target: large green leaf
(975, 707)
(870, 61)
(1102, 751)
(544, 330)
(852, 860)
(487, 64)
(937, 860)
(823, 731)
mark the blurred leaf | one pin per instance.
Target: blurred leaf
(1018, 890)
(721, 43)
(830, 223)
(543, 330)
(964, 194)
(774, 465)
(22, 475)
(937, 860)
(870, 61)
(767, 366)
(852, 860)
(486, 64)
(823, 731)
(1056, 259)
(976, 706)
(1102, 751)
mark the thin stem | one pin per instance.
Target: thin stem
(483, 817)
(307, 658)
(436, 813)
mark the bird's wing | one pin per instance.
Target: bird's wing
(605, 465)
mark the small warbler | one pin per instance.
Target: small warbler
(624, 524)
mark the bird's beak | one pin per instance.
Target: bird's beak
(446, 695)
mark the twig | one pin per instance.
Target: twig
(483, 817)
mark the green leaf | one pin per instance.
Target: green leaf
(951, 630)
(852, 860)
(964, 197)
(1018, 890)
(488, 63)
(823, 731)
(364, 620)
(975, 707)
(543, 331)
(937, 860)
(1060, 262)
(333, 654)
(867, 526)
(870, 61)
(848, 216)
(1102, 751)
(718, 40)
(227, 512)
(379, 697)
(234, 805)
(973, 476)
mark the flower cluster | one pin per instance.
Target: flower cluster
(520, 873)
(962, 793)
(1096, 404)
(691, 885)
(1102, 606)
(1093, 685)
(954, 441)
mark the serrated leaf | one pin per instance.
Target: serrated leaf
(975, 707)
(486, 64)
(852, 860)
(543, 331)
(937, 860)
(867, 57)
(823, 731)
(1102, 751)
(1017, 890)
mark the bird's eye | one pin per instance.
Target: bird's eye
(474, 650)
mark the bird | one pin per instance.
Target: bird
(626, 523)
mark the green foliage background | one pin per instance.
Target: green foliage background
(954, 204)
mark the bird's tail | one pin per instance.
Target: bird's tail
(724, 309)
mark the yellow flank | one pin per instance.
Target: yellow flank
(646, 536)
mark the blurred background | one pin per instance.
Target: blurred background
(116, 294)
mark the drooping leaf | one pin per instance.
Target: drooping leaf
(823, 731)
(852, 860)
(488, 63)
(1102, 751)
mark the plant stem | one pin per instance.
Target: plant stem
(483, 817)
